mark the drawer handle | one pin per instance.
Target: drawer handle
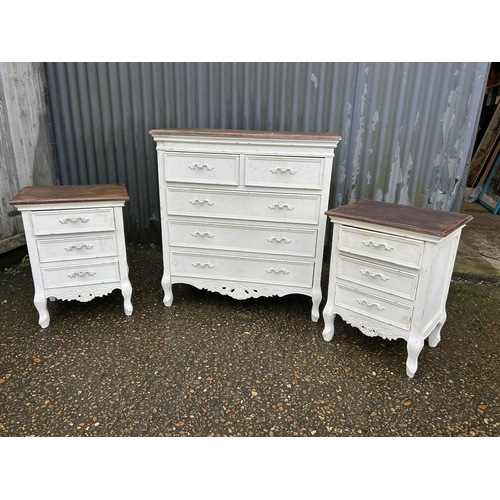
(372, 274)
(377, 244)
(208, 202)
(77, 247)
(197, 233)
(286, 205)
(370, 304)
(206, 264)
(283, 169)
(274, 238)
(73, 219)
(81, 273)
(277, 271)
(194, 166)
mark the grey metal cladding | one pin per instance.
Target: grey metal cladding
(407, 128)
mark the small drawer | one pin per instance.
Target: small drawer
(401, 251)
(240, 205)
(243, 238)
(244, 268)
(382, 278)
(73, 221)
(284, 171)
(58, 249)
(373, 306)
(94, 272)
(202, 168)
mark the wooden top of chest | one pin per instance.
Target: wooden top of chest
(246, 134)
(67, 194)
(420, 220)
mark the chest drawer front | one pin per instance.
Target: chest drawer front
(244, 238)
(241, 268)
(283, 171)
(73, 221)
(100, 272)
(402, 251)
(58, 249)
(241, 205)
(202, 168)
(378, 277)
(373, 306)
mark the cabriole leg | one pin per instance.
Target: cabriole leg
(316, 300)
(167, 288)
(41, 305)
(328, 317)
(414, 348)
(127, 295)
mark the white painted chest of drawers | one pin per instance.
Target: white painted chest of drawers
(75, 242)
(242, 211)
(390, 271)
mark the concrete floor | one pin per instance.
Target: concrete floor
(210, 365)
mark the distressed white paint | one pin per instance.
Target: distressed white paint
(251, 238)
(58, 273)
(400, 288)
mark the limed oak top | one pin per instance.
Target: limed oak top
(246, 134)
(420, 220)
(74, 193)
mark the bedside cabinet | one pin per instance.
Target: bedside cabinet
(390, 271)
(75, 242)
(241, 211)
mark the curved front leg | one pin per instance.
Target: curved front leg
(328, 318)
(414, 347)
(127, 295)
(316, 300)
(40, 302)
(167, 289)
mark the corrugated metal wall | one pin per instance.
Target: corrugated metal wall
(407, 128)
(26, 152)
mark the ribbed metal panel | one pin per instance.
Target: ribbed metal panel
(407, 128)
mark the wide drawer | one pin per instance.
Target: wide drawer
(93, 272)
(202, 168)
(373, 306)
(242, 268)
(301, 242)
(284, 171)
(87, 247)
(382, 278)
(73, 221)
(241, 205)
(389, 248)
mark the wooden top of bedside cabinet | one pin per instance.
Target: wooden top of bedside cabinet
(421, 220)
(74, 193)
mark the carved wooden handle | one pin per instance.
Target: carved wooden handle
(366, 272)
(197, 233)
(81, 273)
(208, 202)
(275, 238)
(194, 166)
(376, 244)
(286, 205)
(73, 219)
(277, 271)
(283, 169)
(370, 304)
(77, 247)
